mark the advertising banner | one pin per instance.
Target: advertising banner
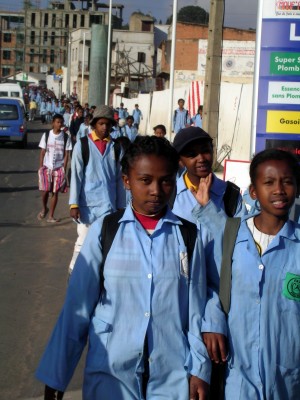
(278, 94)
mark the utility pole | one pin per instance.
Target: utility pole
(213, 70)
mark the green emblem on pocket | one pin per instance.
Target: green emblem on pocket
(291, 288)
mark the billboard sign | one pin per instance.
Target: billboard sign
(278, 91)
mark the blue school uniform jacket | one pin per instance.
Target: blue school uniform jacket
(185, 203)
(264, 317)
(97, 188)
(151, 293)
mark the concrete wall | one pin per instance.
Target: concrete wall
(234, 117)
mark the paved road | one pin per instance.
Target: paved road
(34, 257)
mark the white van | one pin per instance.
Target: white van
(11, 90)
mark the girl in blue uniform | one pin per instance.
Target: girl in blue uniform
(144, 325)
(264, 318)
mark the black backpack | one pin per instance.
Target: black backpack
(186, 115)
(110, 227)
(85, 150)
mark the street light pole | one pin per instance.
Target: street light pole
(108, 63)
(172, 67)
(69, 65)
(82, 69)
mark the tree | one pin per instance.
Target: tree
(193, 14)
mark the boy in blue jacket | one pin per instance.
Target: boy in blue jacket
(96, 188)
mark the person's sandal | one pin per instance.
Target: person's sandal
(53, 220)
(42, 214)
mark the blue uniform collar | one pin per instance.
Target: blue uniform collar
(218, 186)
(288, 231)
(128, 216)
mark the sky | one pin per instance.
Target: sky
(238, 13)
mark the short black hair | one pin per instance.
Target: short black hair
(129, 117)
(180, 100)
(160, 126)
(271, 155)
(146, 145)
(57, 116)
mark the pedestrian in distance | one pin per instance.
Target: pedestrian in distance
(96, 187)
(55, 149)
(32, 110)
(130, 130)
(197, 119)
(121, 307)
(75, 124)
(85, 127)
(160, 130)
(181, 118)
(262, 326)
(137, 116)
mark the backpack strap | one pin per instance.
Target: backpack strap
(229, 238)
(46, 137)
(189, 235)
(230, 198)
(85, 151)
(66, 137)
(109, 229)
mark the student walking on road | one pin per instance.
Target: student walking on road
(96, 181)
(55, 149)
(263, 306)
(140, 311)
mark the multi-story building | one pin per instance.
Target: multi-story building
(11, 43)
(132, 57)
(48, 31)
(238, 52)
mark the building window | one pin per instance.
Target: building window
(6, 54)
(81, 21)
(5, 71)
(32, 37)
(74, 21)
(95, 19)
(44, 56)
(46, 19)
(53, 20)
(67, 21)
(76, 54)
(52, 56)
(31, 55)
(7, 37)
(19, 55)
(146, 26)
(31, 69)
(45, 37)
(20, 38)
(33, 19)
(141, 57)
(52, 38)
(73, 52)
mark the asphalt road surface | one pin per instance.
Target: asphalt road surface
(34, 258)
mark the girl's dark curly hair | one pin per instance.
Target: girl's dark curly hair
(146, 145)
(274, 154)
